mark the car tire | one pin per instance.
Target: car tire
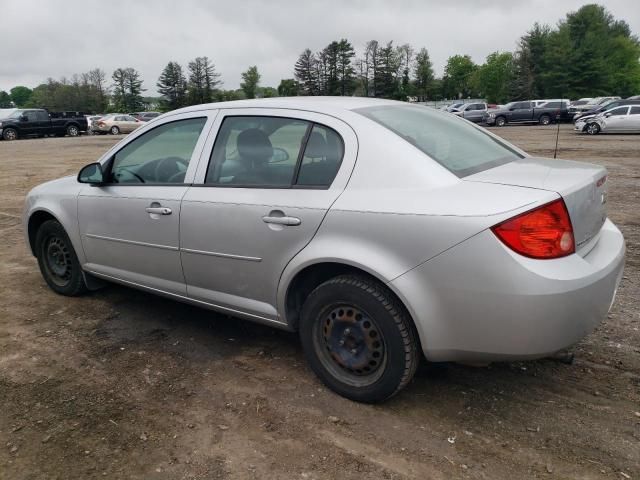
(114, 130)
(10, 134)
(545, 120)
(358, 338)
(73, 131)
(592, 128)
(501, 121)
(58, 261)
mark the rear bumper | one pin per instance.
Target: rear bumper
(481, 302)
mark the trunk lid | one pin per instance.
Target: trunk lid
(583, 187)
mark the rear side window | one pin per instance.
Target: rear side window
(458, 146)
(274, 152)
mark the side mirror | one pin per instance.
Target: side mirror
(24, 118)
(511, 109)
(91, 174)
(608, 114)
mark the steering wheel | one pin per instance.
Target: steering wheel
(132, 173)
(163, 163)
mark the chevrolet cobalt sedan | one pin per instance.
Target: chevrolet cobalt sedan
(376, 229)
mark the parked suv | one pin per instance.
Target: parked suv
(39, 122)
(474, 112)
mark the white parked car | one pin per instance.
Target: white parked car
(376, 229)
(624, 119)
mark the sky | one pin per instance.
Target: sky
(48, 38)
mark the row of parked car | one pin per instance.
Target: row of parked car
(36, 122)
(590, 115)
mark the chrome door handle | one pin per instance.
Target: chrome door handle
(159, 210)
(291, 221)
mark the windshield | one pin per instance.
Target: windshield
(16, 114)
(460, 147)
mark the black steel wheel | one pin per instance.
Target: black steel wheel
(358, 338)
(57, 260)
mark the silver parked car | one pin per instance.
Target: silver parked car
(377, 229)
(624, 119)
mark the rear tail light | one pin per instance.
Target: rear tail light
(102, 124)
(544, 232)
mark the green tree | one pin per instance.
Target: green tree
(494, 79)
(305, 73)
(288, 87)
(457, 76)
(5, 100)
(172, 85)
(530, 63)
(20, 95)
(127, 90)
(203, 81)
(344, 68)
(389, 63)
(423, 74)
(250, 81)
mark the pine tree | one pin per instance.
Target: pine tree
(423, 74)
(250, 81)
(203, 81)
(305, 73)
(172, 85)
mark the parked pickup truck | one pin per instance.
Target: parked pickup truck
(521, 112)
(39, 122)
(474, 112)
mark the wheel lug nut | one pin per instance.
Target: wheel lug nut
(347, 331)
(341, 343)
(353, 351)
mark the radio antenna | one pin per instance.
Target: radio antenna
(555, 151)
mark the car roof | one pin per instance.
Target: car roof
(317, 104)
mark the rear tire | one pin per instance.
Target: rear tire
(58, 261)
(545, 120)
(592, 128)
(114, 130)
(358, 338)
(10, 134)
(501, 121)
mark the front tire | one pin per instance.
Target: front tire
(73, 131)
(58, 261)
(545, 120)
(10, 134)
(592, 128)
(501, 122)
(114, 130)
(358, 338)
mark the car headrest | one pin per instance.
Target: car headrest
(254, 145)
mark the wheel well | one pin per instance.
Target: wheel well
(309, 278)
(35, 221)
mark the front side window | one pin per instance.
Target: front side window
(618, 111)
(458, 146)
(160, 155)
(635, 111)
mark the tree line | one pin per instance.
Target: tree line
(589, 53)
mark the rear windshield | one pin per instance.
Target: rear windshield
(455, 144)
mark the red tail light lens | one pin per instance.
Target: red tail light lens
(101, 124)
(545, 232)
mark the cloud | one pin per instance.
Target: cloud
(50, 39)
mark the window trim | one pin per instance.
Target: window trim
(110, 161)
(303, 146)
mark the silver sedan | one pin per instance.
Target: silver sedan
(376, 229)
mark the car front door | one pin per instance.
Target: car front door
(258, 199)
(522, 112)
(130, 225)
(615, 120)
(633, 120)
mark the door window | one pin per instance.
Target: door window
(322, 157)
(274, 152)
(31, 116)
(42, 116)
(252, 151)
(160, 155)
(618, 111)
(635, 111)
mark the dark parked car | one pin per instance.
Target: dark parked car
(522, 112)
(39, 122)
(603, 107)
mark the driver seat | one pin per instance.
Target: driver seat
(255, 151)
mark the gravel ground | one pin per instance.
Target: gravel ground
(122, 384)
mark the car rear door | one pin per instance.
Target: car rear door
(261, 192)
(130, 226)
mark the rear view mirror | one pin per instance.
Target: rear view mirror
(91, 174)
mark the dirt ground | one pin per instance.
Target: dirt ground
(122, 384)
